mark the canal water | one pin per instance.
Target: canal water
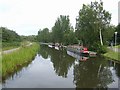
(53, 68)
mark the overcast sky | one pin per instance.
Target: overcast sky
(26, 17)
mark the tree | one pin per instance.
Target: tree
(108, 34)
(70, 38)
(9, 35)
(32, 38)
(91, 23)
(43, 35)
(62, 26)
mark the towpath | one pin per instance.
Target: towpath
(115, 49)
(14, 49)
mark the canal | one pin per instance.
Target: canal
(53, 68)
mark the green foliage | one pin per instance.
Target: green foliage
(61, 27)
(102, 49)
(108, 34)
(98, 48)
(14, 60)
(92, 18)
(61, 33)
(43, 35)
(92, 28)
(9, 35)
(8, 45)
(113, 55)
(10, 39)
(32, 38)
(70, 38)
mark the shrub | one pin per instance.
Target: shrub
(97, 47)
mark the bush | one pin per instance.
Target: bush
(102, 49)
(98, 48)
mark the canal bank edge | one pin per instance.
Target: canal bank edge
(113, 56)
(13, 61)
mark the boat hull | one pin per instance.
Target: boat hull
(77, 51)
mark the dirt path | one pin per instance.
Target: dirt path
(114, 49)
(11, 50)
(14, 49)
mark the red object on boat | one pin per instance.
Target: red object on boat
(85, 50)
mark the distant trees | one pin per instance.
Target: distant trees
(9, 35)
(43, 35)
(108, 34)
(70, 38)
(31, 38)
(111, 34)
(9, 38)
(62, 32)
(61, 27)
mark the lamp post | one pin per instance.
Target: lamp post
(115, 40)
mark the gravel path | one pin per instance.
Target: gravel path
(114, 49)
(11, 50)
(14, 49)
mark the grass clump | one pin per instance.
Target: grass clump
(112, 54)
(12, 61)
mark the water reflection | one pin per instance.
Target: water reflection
(117, 68)
(78, 57)
(95, 72)
(61, 61)
(92, 74)
(17, 73)
(43, 51)
(65, 69)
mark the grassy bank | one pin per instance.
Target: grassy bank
(0, 68)
(10, 45)
(113, 55)
(12, 61)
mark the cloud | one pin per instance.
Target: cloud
(28, 16)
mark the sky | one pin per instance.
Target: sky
(26, 17)
(119, 12)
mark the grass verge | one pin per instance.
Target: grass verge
(118, 46)
(0, 68)
(10, 45)
(12, 61)
(113, 55)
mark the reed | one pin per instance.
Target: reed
(12, 61)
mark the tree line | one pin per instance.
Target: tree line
(93, 29)
(10, 38)
(62, 32)
(9, 35)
